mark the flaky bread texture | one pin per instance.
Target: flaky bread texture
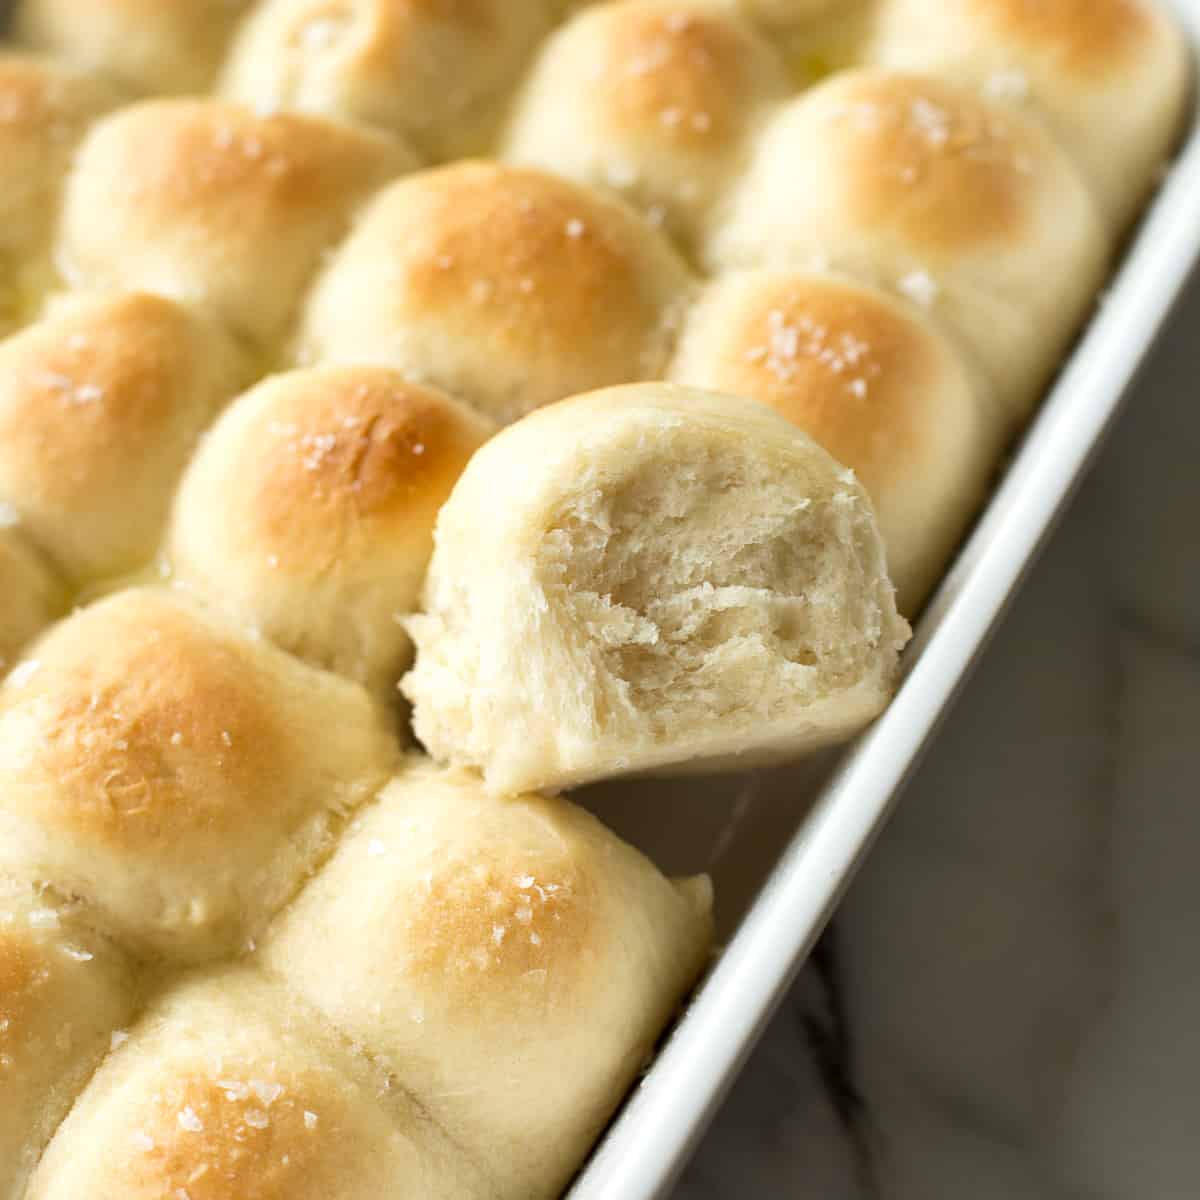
(649, 577)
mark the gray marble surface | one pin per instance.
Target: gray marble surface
(1008, 1005)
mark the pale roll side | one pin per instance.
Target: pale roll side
(209, 203)
(870, 378)
(654, 99)
(46, 107)
(308, 513)
(1108, 76)
(509, 288)
(30, 595)
(101, 406)
(510, 961)
(177, 777)
(437, 73)
(156, 46)
(64, 992)
(228, 1090)
(964, 206)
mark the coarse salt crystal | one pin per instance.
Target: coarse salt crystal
(267, 1093)
(256, 1118)
(189, 1122)
(920, 287)
(118, 1039)
(310, 1119)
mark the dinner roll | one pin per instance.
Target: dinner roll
(176, 777)
(1110, 76)
(100, 408)
(653, 98)
(63, 993)
(510, 961)
(30, 597)
(227, 1090)
(871, 380)
(309, 511)
(435, 72)
(45, 107)
(156, 45)
(508, 287)
(925, 188)
(207, 202)
(650, 577)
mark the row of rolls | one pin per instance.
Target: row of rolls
(285, 423)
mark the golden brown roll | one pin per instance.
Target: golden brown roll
(309, 512)
(45, 108)
(436, 72)
(227, 1090)
(508, 287)
(207, 202)
(1109, 76)
(927, 189)
(157, 46)
(30, 596)
(650, 577)
(178, 778)
(872, 380)
(64, 992)
(512, 962)
(652, 98)
(101, 406)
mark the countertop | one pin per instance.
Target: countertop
(1007, 1007)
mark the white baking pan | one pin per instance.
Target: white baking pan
(783, 846)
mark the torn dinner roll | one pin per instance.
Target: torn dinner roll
(481, 946)
(227, 1088)
(872, 380)
(308, 513)
(929, 190)
(438, 73)
(30, 595)
(178, 778)
(655, 99)
(157, 46)
(1108, 76)
(101, 406)
(64, 992)
(508, 287)
(210, 203)
(675, 579)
